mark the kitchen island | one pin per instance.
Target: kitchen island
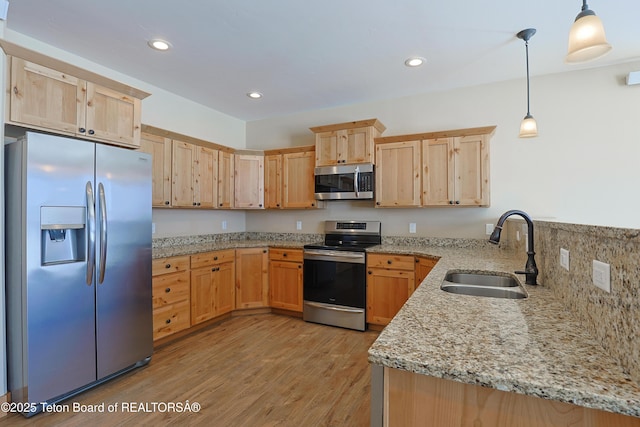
(448, 359)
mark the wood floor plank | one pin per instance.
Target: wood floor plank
(260, 370)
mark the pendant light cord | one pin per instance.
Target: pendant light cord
(526, 44)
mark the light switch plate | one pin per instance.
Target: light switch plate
(564, 258)
(412, 227)
(153, 228)
(224, 225)
(298, 225)
(602, 275)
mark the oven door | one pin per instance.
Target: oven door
(334, 288)
(335, 277)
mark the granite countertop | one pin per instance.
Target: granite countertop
(532, 346)
(195, 248)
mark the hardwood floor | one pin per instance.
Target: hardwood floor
(260, 370)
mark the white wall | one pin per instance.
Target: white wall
(582, 168)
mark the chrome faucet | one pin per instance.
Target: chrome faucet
(530, 269)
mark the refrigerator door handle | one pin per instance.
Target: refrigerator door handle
(103, 234)
(91, 233)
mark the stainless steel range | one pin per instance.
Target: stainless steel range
(335, 279)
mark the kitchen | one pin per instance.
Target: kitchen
(528, 174)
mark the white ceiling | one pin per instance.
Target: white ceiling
(306, 55)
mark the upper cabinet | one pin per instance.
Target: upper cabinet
(194, 175)
(54, 100)
(345, 143)
(449, 168)
(289, 179)
(226, 184)
(160, 149)
(249, 181)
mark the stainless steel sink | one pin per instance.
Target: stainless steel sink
(483, 284)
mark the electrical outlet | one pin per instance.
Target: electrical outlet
(153, 228)
(298, 225)
(412, 227)
(224, 225)
(602, 275)
(564, 258)
(488, 229)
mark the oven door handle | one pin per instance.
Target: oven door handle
(334, 308)
(336, 256)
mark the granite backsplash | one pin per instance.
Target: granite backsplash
(612, 318)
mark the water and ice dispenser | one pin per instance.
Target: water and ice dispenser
(63, 234)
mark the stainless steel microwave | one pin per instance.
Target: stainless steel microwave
(344, 182)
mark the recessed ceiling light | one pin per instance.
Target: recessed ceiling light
(254, 95)
(159, 44)
(414, 61)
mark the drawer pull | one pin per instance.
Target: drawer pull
(388, 261)
(167, 290)
(167, 321)
(167, 266)
(215, 258)
(284, 254)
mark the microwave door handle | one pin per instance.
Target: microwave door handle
(356, 175)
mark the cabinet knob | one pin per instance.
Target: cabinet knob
(378, 203)
(82, 130)
(369, 272)
(260, 205)
(220, 204)
(313, 204)
(166, 202)
(389, 261)
(264, 251)
(167, 290)
(15, 90)
(450, 202)
(457, 202)
(194, 203)
(284, 254)
(91, 132)
(299, 266)
(167, 266)
(167, 321)
(198, 203)
(277, 205)
(215, 258)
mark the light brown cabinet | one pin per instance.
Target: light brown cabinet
(390, 283)
(194, 175)
(398, 174)
(160, 149)
(346, 143)
(456, 171)
(48, 99)
(273, 181)
(226, 184)
(424, 265)
(285, 279)
(448, 168)
(171, 296)
(252, 278)
(249, 181)
(212, 285)
(289, 179)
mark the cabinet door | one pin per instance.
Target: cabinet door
(45, 98)
(273, 181)
(471, 170)
(438, 177)
(285, 285)
(203, 294)
(327, 147)
(112, 116)
(249, 181)
(205, 177)
(424, 266)
(252, 278)
(358, 146)
(398, 174)
(299, 180)
(387, 291)
(225, 282)
(225, 180)
(183, 158)
(160, 150)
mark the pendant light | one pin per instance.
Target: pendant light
(587, 40)
(528, 127)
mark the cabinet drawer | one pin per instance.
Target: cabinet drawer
(171, 288)
(279, 254)
(390, 261)
(170, 319)
(169, 265)
(210, 258)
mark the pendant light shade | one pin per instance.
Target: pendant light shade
(587, 40)
(528, 127)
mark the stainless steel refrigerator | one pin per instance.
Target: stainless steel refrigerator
(78, 263)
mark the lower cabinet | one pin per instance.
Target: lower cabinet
(390, 283)
(252, 278)
(212, 285)
(423, 267)
(171, 296)
(285, 279)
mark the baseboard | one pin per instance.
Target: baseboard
(4, 399)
